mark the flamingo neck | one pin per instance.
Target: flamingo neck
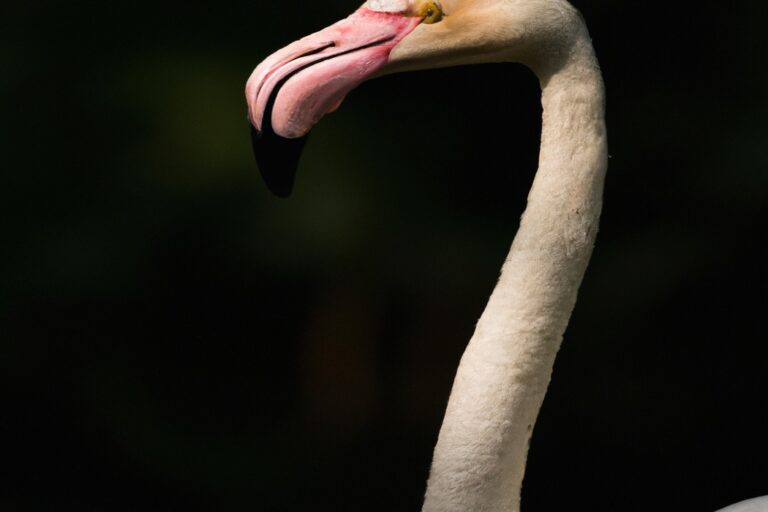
(480, 456)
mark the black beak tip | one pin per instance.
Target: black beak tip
(277, 159)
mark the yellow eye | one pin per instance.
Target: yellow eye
(431, 12)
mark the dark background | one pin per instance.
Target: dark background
(174, 338)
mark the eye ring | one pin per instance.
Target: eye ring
(431, 12)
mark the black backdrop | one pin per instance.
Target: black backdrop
(174, 338)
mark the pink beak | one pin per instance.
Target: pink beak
(291, 90)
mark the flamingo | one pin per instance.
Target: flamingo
(480, 456)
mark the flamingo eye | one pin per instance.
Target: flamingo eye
(431, 12)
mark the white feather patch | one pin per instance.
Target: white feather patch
(387, 5)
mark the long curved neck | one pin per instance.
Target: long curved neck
(479, 460)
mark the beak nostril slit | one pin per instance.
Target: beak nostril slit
(329, 44)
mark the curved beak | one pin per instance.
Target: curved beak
(294, 88)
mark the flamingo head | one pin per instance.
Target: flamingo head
(291, 90)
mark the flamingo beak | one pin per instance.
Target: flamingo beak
(294, 88)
